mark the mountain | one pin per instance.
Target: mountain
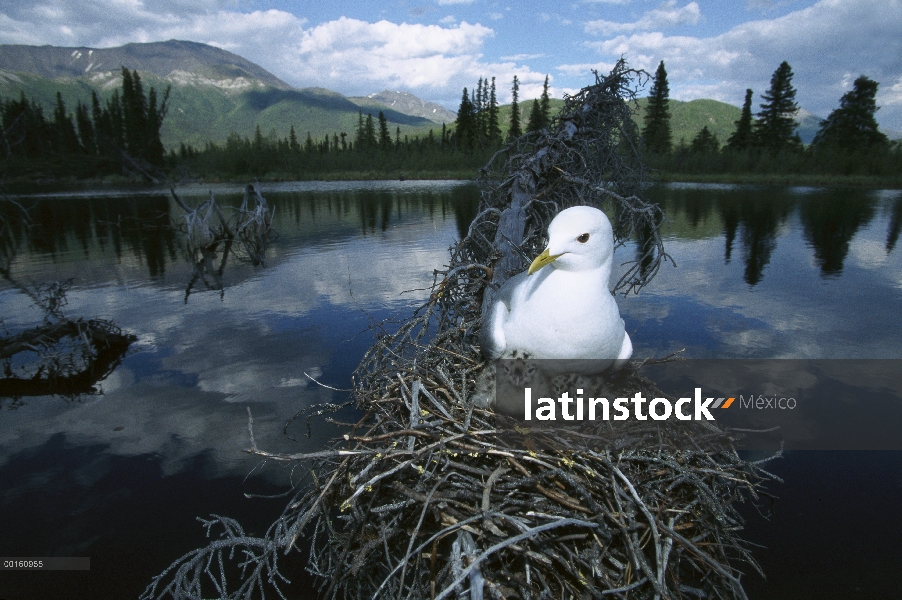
(179, 61)
(407, 103)
(214, 93)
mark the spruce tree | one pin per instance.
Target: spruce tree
(369, 132)
(545, 104)
(484, 113)
(153, 145)
(293, 144)
(85, 129)
(656, 132)
(360, 132)
(384, 135)
(535, 117)
(134, 108)
(465, 122)
(853, 126)
(66, 139)
(515, 131)
(494, 127)
(742, 136)
(704, 142)
(479, 115)
(775, 128)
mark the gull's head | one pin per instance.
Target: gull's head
(580, 238)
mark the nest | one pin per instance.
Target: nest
(429, 496)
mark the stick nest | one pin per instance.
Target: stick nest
(435, 497)
(430, 496)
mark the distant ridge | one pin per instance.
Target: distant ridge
(407, 103)
(163, 59)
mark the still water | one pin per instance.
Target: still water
(762, 272)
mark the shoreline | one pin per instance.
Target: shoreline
(21, 186)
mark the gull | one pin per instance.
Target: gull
(561, 307)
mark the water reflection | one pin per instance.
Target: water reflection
(830, 222)
(895, 225)
(763, 272)
(758, 216)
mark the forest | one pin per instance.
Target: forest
(120, 136)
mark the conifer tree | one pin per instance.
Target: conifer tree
(704, 142)
(369, 132)
(853, 125)
(494, 128)
(515, 131)
(258, 138)
(535, 117)
(293, 144)
(540, 114)
(479, 114)
(656, 133)
(85, 129)
(384, 135)
(66, 138)
(116, 120)
(153, 145)
(742, 136)
(776, 124)
(360, 132)
(484, 111)
(465, 124)
(545, 104)
(134, 108)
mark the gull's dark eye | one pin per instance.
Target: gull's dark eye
(583, 238)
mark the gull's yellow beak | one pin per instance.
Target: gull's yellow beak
(541, 260)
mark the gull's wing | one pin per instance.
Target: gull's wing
(491, 337)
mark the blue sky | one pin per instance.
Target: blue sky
(433, 48)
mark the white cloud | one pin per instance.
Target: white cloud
(449, 2)
(521, 57)
(894, 94)
(823, 43)
(545, 17)
(349, 55)
(666, 15)
(449, 20)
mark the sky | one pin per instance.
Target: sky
(434, 48)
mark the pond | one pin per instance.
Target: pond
(121, 475)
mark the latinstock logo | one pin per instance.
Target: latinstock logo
(578, 408)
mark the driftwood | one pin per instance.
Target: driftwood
(429, 496)
(62, 356)
(66, 357)
(211, 241)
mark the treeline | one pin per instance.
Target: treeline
(848, 142)
(123, 131)
(372, 149)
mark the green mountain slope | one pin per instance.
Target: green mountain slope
(214, 93)
(688, 118)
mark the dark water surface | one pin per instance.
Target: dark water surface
(762, 272)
